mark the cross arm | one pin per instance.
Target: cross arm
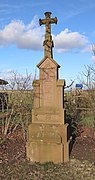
(42, 21)
(54, 20)
(50, 21)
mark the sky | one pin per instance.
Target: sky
(21, 36)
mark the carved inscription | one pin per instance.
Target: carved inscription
(46, 136)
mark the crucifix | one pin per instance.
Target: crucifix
(48, 43)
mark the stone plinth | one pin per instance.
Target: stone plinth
(47, 135)
(48, 143)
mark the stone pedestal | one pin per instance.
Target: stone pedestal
(48, 143)
(47, 138)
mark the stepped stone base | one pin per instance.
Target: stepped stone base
(47, 143)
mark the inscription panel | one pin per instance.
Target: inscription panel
(48, 116)
(49, 119)
(46, 136)
(44, 133)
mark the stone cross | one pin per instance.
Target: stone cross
(47, 137)
(48, 43)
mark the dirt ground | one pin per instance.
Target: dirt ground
(14, 166)
(12, 150)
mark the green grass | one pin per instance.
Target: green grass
(88, 121)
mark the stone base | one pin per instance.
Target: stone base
(47, 143)
(44, 152)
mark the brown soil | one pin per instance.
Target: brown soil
(12, 150)
(13, 163)
(84, 146)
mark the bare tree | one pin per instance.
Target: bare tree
(88, 80)
(87, 77)
(19, 103)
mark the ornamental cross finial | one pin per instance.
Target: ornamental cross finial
(48, 43)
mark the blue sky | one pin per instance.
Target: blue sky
(21, 36)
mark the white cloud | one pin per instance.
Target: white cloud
(93, 58)
(7, 71)
(87, 48)
(22, 36)
(67, 40)
(31, 36)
